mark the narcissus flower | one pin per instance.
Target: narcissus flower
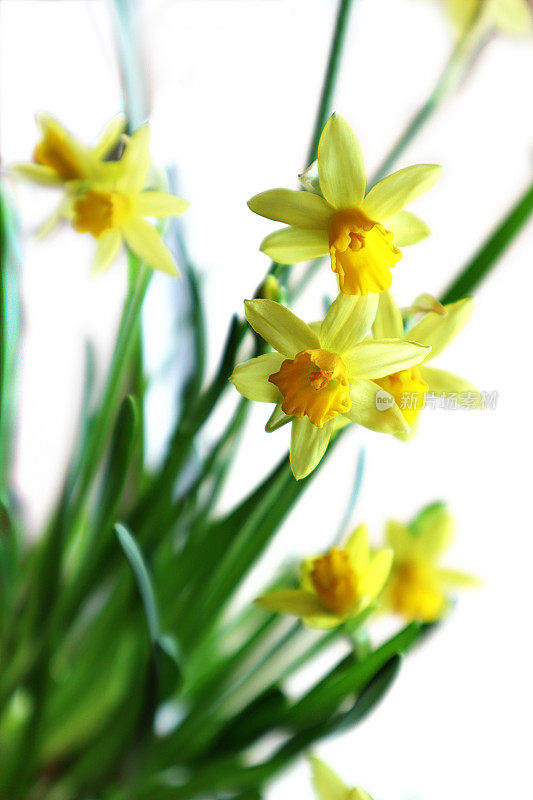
(104, 198)
(361, 232)
(336, 586)
(436, 329)
(328, 785)
(322, 379)
(113, 210)
(60, 158)
(418, 587)
(510, 16)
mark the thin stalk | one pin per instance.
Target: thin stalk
(456, 66)
(124, 350)
(479, 266)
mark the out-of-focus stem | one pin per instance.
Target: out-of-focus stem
(457, 65)
(483, 261)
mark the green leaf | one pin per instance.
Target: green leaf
(347, 678)
(164, 648)
(235, 543)
(142, 579)
(9, 334)
(483, 261)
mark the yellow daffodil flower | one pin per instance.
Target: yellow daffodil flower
(436, 329)
(323, 378)
(362, 232)
(418, 587)
(510, 16)
(328, 785)
(114, 210)
(60, 157)
(336, 586)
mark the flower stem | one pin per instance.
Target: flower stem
(457, 65)
(483, 261)
(330, 80)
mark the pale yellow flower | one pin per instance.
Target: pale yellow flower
(113, 210)
(509, 16)
(418, 587)
(328, 785)
(323, 377)
(362, 232)
(336, 586)
(436, 329)
(60, 158)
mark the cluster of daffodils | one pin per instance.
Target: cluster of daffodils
(326, 375)
(404, 577)
(103, 195)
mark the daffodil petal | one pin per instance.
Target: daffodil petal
(295, 602)
(358, 545)
(407, 228)
(135, 160)
(432, 531)
(348, 321)
(456, 579)
(277, 419)
(308, 445)
(395, 191)
(251, 378)
(78, 153)
(145, 241)
(278, 326)
(340, 164)
(328, 785)
(442, 382)
(399, 538)
(160, 204)
(107, 249)
(37, 173)
(375, 576)
(300, 209)
(365, 411)
(110, 136)
(438, 330)
(292, 245)
(388, 323)
(375, 359)
(512, 16)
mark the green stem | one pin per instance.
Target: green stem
(452, 73)
(328, 88)
(479, 266)
(124, 350)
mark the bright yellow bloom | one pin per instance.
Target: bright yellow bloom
(61, 158)
(510, 16)
(105, 198)
(336, 586)
(113, 210)
(323, 377)
(418, 587)
(361, 232)
(328, 785)
(436, 329)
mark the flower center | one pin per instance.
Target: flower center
(335, 581)
(408, 389)
(314, 383)
(54, 152)
(99, 211)
(361, 253)
(415, 593)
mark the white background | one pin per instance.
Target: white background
(234, 89)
